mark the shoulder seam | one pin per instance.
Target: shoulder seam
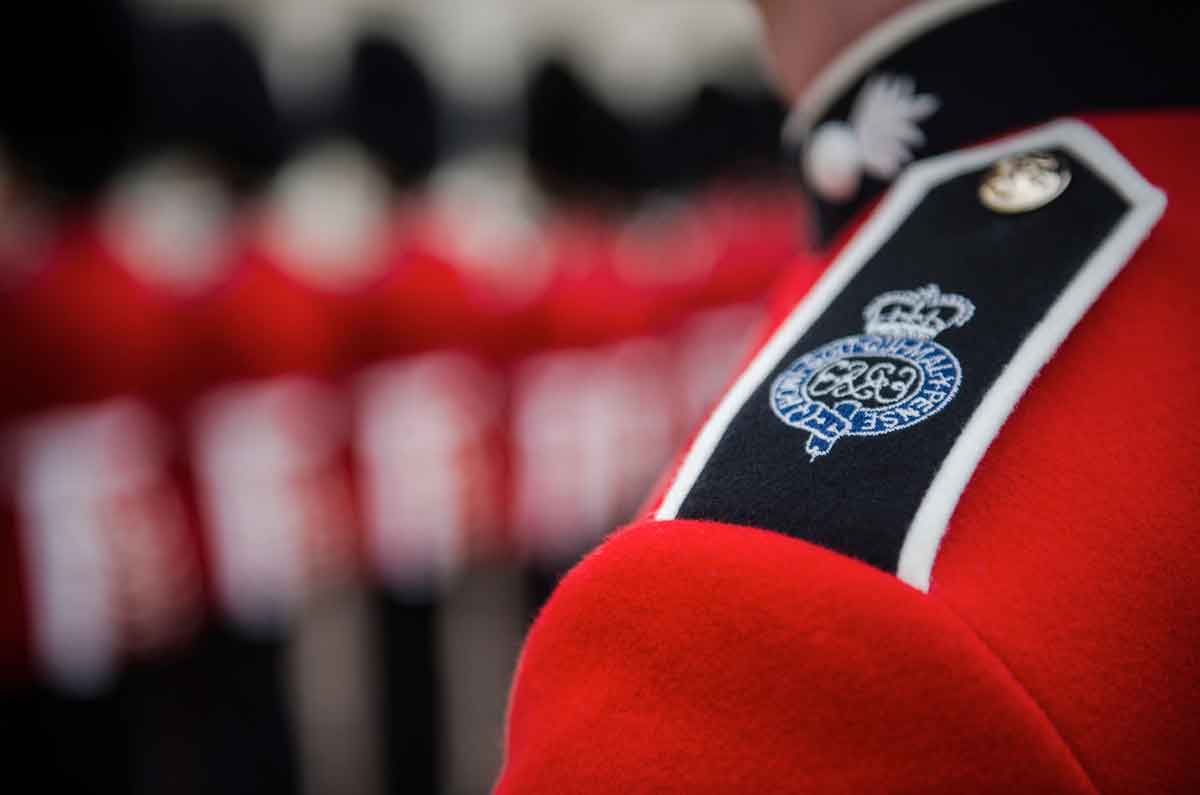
(991, 652)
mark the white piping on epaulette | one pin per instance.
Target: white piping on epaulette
(1147, 203)
(854, 62)
(929, 523)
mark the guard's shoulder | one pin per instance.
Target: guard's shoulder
(995, 404)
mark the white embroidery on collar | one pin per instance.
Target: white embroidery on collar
(879, 138)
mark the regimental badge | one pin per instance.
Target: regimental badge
(878, 139)
(885, 380)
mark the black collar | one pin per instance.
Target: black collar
(991, 67)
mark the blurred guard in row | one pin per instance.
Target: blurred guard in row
(252, 363)
(939, 536)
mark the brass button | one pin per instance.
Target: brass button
(1020, 183)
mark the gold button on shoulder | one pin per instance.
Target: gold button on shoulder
(1024, 182)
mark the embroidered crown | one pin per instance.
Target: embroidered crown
(920, 314)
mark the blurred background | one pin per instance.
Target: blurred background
(333, 332)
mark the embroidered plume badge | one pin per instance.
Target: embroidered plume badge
(887, 379)
(878, 139)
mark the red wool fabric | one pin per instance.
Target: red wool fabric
(701, 657)
(1058, 649)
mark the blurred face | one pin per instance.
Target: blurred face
(805, 35)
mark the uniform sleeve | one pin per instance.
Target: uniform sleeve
(689, 656)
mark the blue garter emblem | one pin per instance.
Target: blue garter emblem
(885, 380)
